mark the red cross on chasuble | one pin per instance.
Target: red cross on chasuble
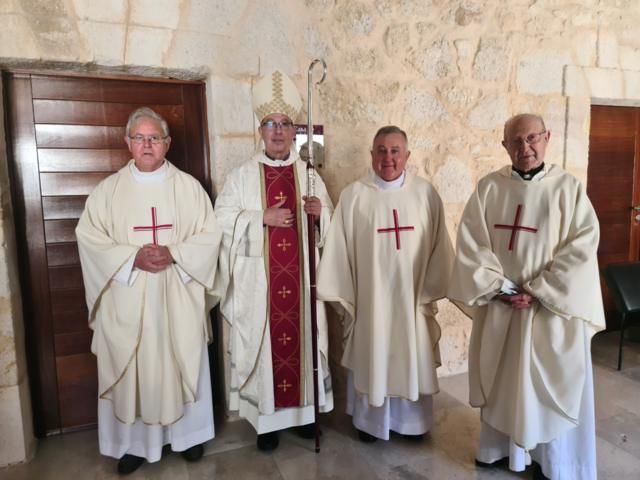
(515, 227)
(154, 227)
(396, 228)
(286, 298)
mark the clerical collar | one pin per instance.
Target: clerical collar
(277, 159)
(392, 185)
(262, 157)
(157, 176)
(530, 174)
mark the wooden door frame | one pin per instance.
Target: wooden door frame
(37, 316)
(629, 116)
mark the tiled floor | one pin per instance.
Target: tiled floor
(445, 454)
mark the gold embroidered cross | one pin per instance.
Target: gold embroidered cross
(284, 244)
(284, 385)
(284, 292)
(284, 339)
(281, 197)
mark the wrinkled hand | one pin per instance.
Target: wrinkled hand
(520, 301)
(153, 258)
(312, 206)
(277, 216)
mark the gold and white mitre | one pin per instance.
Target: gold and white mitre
(276, 93)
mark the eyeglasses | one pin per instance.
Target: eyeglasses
(272, 124)
(141, 139)
(530, 139)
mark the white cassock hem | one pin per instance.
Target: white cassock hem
(195, 427)
(398, 414)
(279, 420)
(571, 456)
(283, 417)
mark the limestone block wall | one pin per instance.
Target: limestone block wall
(449, 72)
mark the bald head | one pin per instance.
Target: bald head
(523, 117)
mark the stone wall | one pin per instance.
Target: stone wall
(450, 72)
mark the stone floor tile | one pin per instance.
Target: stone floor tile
(623, 431)
(296, 458)
(246, 463)
(616, 464)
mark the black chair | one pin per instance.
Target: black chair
(623, 281)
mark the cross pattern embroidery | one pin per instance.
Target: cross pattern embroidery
(396, 228)
(154, 227)
(284, 244)
(284, 339)
(284, 292)
(280, 197)
(515, 227)
(284, 385)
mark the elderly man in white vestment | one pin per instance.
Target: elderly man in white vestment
(148, 242)
(526, 265)
(386, 262)
(262, 210)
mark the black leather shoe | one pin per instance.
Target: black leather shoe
(365, 437)
(268, 441)
(307, 431)
(537, 473)
(129, 464)
(193, 454)
(497, 463)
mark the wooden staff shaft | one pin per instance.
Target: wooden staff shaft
(311, 231)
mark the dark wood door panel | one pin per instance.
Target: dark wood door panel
(77, 376)
(80, 183)
(57, 231)
(69, 310)
(74, 343)
(62, 278)
(136, 93)
(71, 320)
(63, 207)
(74, 112)
(615, 149)
(61, 254)
(79, 136)
(82, 160)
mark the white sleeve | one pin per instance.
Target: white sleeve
(184, 276)
(127, 275)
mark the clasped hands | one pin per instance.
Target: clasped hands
(518, 301)
(278, 216)
(153, 258)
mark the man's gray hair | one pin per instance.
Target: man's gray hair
(390, 130)
(146, 112)
(521, 116)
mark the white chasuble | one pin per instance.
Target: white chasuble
(386, 261)
(527, 368)
(245, 305)
(149, 336)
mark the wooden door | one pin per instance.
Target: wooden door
(613, 186)
(65, 134)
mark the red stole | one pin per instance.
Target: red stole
(286, 288)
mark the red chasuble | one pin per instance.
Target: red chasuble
(285, 269)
